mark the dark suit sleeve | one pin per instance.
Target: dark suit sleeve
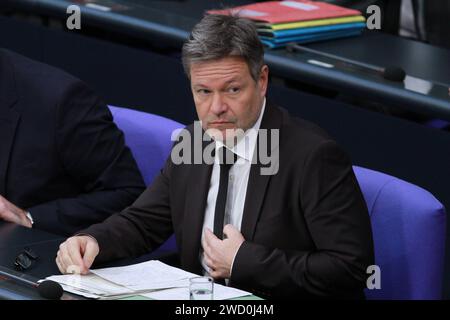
(338, 221)
(92, 154)
(140, 228)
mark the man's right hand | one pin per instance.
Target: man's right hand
(77, 254)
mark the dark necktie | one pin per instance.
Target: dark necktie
(226, 161)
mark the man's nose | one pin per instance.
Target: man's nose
(218, 105)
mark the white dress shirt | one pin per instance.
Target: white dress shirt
(237, 184)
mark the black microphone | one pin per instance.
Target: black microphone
(394, 74)
(391, 73)
(47, 289)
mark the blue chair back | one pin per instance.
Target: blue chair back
(149, 138)
(408, 226)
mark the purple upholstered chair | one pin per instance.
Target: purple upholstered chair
(148, 137)
(408, 226)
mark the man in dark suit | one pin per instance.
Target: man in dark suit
(299, 228)
(423, 20)
(63, 162)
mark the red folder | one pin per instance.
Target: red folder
(288, 11)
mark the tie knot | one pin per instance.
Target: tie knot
(226, 157)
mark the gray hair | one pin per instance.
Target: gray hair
(220, 36)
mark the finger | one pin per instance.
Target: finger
(209, 261)
(64, 256)
(208, 247)
(206, 239)
(90, 253)
(74, 251)
(58, 263)
(9, 216)
(2, 204)
(229, 231)
(211, 239)
(74, 269)
(215, 274)
(209, 233)
(62, 265)
(233, 233)
(209, 264)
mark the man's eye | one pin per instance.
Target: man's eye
(234, 90)
(203, 91)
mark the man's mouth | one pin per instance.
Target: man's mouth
(221, 123)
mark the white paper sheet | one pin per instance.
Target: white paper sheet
(146, 275)
(152, 279)
(90, 285)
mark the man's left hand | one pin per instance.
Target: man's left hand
(219, 254)
(9, 212)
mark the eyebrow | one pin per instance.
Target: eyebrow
(202, 85)
(199, 85)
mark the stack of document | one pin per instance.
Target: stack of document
(282, 22)
(151, 279)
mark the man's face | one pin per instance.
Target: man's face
(225, 94)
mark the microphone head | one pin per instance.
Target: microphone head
(394, 74)
(50, 290)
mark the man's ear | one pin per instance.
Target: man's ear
(263, 79)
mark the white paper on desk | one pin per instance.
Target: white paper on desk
(220, 293)
(149, 275)
(80, 292)
(89, 284)
(144, 279)
(93, 286)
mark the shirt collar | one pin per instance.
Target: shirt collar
(245, 147)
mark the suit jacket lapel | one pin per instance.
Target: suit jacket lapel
(196, 196)
(257, 183)
(9, 118)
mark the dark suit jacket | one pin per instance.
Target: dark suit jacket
(307, 227)
(61, 156)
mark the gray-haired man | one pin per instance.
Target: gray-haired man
(302, 231)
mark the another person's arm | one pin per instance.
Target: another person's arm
(93, 154)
